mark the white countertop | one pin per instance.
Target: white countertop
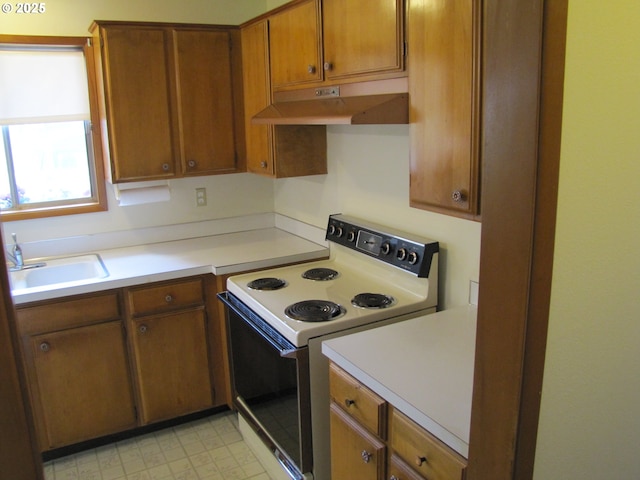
(423, 367)
(217, 254)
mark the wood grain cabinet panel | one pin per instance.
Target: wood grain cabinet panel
(295, 45)
(444, 86)
(172, 364)
(427, 455)
(205, 101)
(358, 401)
(355, 453)
(165, 296)
(167, 100)
(362, 37)
(80, 386)
(278, 151)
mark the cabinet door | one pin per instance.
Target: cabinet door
(355, 453)
(295, 40)
(444, 112)
(172, 366)
(205, 101)
(83, 383)
(255, 67)
(137, 86)
(362, 37)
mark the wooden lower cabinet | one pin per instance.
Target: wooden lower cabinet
(171, 362)
(78, 374)
(103, 363)
(168, 337)
(360, 447)
(355, 453)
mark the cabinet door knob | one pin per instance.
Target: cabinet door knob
(168, 298)
(366, 456)
(191, 164)
(45, 347)
(348, 402)
(328, 66)
(311, 69)
(458, 196)
(143, 328)
(165, 167)
(420, 461)
(263, 164)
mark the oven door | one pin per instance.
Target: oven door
(270, 384)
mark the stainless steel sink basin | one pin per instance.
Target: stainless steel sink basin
(59, 270)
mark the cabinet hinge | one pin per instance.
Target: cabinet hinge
(89, 42)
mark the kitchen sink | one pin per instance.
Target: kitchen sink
(54, 271)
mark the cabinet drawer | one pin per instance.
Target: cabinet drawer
(83, 310)
(399, 470)
(428, 455)
(360, 402)
(355, 453)
(165, 296)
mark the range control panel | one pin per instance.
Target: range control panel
(400, 249)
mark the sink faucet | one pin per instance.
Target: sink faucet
(15, 255)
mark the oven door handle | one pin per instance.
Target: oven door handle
(270, 335)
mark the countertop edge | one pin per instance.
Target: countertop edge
(136, 265)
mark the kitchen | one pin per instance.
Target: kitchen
(352, 151)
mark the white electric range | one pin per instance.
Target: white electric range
(278, 318)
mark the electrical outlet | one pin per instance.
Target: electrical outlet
(473, 292)
(201, 197)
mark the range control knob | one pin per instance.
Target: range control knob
(351, 236)
(402, 254)
(332, 229)
(339, 231)
(412, 258)
(385, 248)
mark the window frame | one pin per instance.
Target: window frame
(97, 203)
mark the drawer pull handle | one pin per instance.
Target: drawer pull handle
(366, 456)
(393, 477)
(348, 402)
(420, 461)
(168, 298)
(143, 329)
(45, 347)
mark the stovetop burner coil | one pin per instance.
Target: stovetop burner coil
(320, 274)
(267, 283)
(372, 300)
(314, 311)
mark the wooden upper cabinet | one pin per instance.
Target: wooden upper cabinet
(444, 70)
(136, 70)
(336, 41)
(205, 101)
(295, 45)
(362, 37)
(281, 150)
(257, 96)
(167, 100)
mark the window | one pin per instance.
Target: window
(49, 141)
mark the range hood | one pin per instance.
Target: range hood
(381, 102)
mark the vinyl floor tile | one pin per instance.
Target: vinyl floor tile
(206, 449)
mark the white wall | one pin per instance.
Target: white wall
(590, 417)
(369, 177)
